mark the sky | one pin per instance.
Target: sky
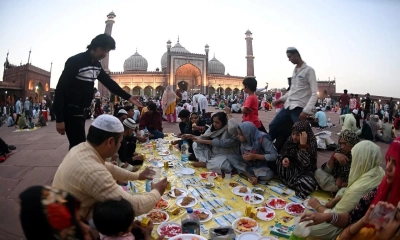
(356, 42)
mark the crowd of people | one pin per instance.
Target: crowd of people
(86, 201)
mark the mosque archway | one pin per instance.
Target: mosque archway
(127, 89)
(190, 74)
(159, 91)
(148, 91)
(136, 91)
(47, 87)
(228, 91)
(236, 91)
(220, 91)
(39, 91)
(30, 85)
(211, 90)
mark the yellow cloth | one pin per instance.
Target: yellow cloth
(86, 175)
(171, 108)
(144, 110)
(223, 192)
(363, 234)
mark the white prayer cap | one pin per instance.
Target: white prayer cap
(318, 108)
(376, 116)
(291, 49)
(355, 111)
(130, 123)
(108, 123)
(123, 111)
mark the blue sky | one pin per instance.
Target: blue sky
(355, 41)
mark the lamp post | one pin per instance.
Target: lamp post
(219, 90)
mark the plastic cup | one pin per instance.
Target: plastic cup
(228, 176)
(210, 179)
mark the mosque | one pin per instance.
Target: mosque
(180, 68)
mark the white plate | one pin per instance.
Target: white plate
(293, 213)
(188, 237)
(180, 199)
(172, 194)
(166, 214)
(268, 203)
(164, 153)
(166, 224)
(161, 199)
(205, 211)
(235, 191)
(249, 236)
(235, 224)
(263, 215)
(267, 238)
(187, 171)
(208, 173)
(251, 198)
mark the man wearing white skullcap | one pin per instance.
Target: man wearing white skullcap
(85, 174)
(298, 101)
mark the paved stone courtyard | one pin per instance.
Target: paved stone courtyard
(40, 152)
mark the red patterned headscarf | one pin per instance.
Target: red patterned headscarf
(393, 188)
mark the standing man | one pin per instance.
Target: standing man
(27, 108)
(18, 110)
(344, 103)
(367, 107)
(298, 101)
(184, 96)
(200, 104)
(391, 109)
(74, 90)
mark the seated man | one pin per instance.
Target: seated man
(152, 121)
(127, 158)
(319, 119)
(85, 174)
(348, 122)
(10, 120)
(388, 134)
(122, 115)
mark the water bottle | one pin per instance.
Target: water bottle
(146, 134)
(190, 223)
(185, 152)
(157, 171)
(148, 185)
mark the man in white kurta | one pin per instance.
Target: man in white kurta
(200, 104)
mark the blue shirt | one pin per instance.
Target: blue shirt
(321, 118)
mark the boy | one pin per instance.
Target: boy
(250, 106)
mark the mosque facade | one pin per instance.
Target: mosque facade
(180, 68)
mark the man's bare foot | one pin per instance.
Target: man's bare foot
(199, 164)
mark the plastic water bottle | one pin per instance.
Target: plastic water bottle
(148, 185)
(146, 134)
(185, 152)
(157, 171)
(190, 223)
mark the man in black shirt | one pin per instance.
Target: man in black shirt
(74, 90)
(367, 107)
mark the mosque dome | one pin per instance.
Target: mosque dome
(135, 63)
(216, 67)
(178, 48)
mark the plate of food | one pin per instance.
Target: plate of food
(203, 214)
(245, 224)
(233, 184)
(164, 153)
(161, 204)
(249, 236)
(186, 201)
(178, 192)
(169, 229)
(253, 198)
(241, 190)
(265, 213)
(295, 209)
(276, 203)
(205, 175)
(188, 237)
(187, 171)
(157, 216)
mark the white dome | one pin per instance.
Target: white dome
(177, 48)
(216, 67)
(135, 63)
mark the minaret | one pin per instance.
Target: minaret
(29, 57)
(249, 55)
(109, 24)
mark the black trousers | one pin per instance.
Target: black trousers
(130, 150)
(74, 125)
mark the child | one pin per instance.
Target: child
(114, 220)
(250, 106)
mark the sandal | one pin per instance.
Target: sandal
(2, 158)
(11, 147)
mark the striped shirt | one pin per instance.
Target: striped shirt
(86, 175)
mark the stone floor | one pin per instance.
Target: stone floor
(39, 153)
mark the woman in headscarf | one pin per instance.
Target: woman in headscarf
(216, 145)
(365, 175)
(334, 174)
(388, 191)
(169, 104)
(259, 154)
(51, 214)
(298, 160)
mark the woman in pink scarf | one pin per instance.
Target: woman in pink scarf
(169, 104)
